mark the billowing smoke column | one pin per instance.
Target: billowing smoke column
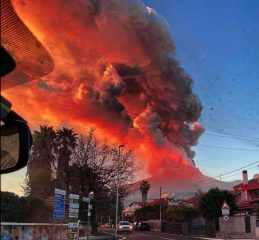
(115, 69)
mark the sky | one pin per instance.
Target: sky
(216, 43)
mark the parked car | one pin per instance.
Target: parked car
(143, 227)
(125, 226)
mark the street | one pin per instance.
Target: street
(157, 236)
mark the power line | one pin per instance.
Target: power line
(232, 136)
(242, 136)
(239, 173)
(227, 148)
(240, 168)
(238, 138)
(207, 181)
(91, 110)
(152, 138)
(108, 114)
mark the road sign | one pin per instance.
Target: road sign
(86, 199)
(225, 212)
(73, 210)
(73, 196)
(90, 207)
(225, 206)
(74, 205)
(60, 192)
(73, 215)
(73, 225)
(226, 218)
(59, 204)
(225, 209)
(89, 214)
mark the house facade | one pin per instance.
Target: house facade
(129, 211)
(247, 193)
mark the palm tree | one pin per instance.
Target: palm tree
(42, 150)
(144, 188)
(41, 160)
(65, 143)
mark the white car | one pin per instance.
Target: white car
(125, 226)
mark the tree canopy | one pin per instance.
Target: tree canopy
(79, 164)
(211, 202)
(13, 207)
(144, 188)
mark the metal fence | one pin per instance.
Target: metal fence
(33, 231)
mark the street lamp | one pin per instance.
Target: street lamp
(160, 208)
(91, 197)
(117, 192)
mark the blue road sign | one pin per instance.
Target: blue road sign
(86, 199)
(59, 197)
(59, 204)
(59, 217)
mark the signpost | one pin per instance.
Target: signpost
(59, 207)
(73, 225)
(90, 207)
(59, 204)
(225, 209)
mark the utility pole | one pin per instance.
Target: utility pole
(160, 209)
(90, 197)
(220, 182)
(117, 194)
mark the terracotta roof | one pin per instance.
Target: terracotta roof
(192, 199)
(157, 202)
(154, 202)
(252, 184)
(141, 204)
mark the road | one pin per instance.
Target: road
(157, 236)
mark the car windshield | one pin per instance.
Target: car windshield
(124, 223)
(140, 111)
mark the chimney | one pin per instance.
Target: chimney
(245, 177)
(256, 176)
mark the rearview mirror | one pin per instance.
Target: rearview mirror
(16, 142)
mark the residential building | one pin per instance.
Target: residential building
(247, 193)
(129, 211)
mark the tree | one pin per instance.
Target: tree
(180, 214)
(39, 211)
(65, 144)
(40, 165)
(144, 188)
(80, 164)
(148, 212)
(211, 202)
(96, 166)
(13, 208)
(42, 155)
(210, 206)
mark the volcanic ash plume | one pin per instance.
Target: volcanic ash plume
(115, 69)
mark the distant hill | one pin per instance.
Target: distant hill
(181, 188)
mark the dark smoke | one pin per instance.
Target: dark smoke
(123, 64)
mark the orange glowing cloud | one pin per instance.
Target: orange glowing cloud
(114, 70)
